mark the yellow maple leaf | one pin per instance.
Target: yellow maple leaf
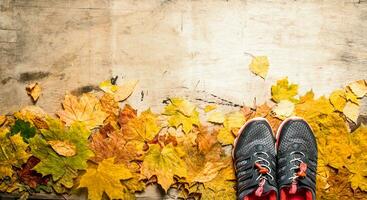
(284, 91)
(87, 110)
(338, 99)
(232, 123)
(63, 148)
(351, 111)
(164, 163)
(106, 178)
(34, 90)
(216, 117)
(141, 129)
(210, 107)
(182, 113)
(12, 152)
(119, 92)
(260, 66)
(359, 88)
(283, 109)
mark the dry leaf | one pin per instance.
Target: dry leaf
(216, 117)
(34, 90)
(338, 100)
(87, 109)
(260, 66)
(351, 111)
(125, 90)
(210, 107)
(164, 163)
(284, 109)
(284, 91)
(63, 148)
(106, 178)
(108, 87)
(359, 88)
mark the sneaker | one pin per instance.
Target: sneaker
(297, 160)
(254, 158)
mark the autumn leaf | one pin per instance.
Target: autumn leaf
(338, 99)
(119, 92)
(87, 109)
(34, 90)
(62, 168)
(29, 176)
(108, 87)
(24, 128)
(260, 66)
(232, 123)
(283, 109)
(351, 111)
(2, 119)
(114, 145)
(216, 117)
(164, 163)
(210, 107)
(284, 91)
(13, 153)
(359, 88)
(182, 113)
(141, 129)
(111, 107)
(106, 177)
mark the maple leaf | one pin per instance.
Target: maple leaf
(357, 165)
(164, 163)
(339, 188)
(111, 107)
(62, 168)
(121, 92)
(284, 91)
(106, 177)
(13, 153)
(232, 123)
(126, 114)
(141, 129)
(283, 109)
(359, 88)
(351, 111)
(29, 176)
(260, 66)
(220, 187)
(24, 128)
(182, 112)
(216, 117)
(338, 99)
(87, 110)
(114, 145)
(210, 107)
(34, 90)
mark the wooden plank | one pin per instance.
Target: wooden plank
(195, 49)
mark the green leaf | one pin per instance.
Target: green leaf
(63, 169)
(26, 129)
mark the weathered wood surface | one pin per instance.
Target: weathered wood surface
(177, 48)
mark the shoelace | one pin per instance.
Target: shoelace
(299, 168)
(263, 167)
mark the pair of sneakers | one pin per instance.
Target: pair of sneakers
(269, 168)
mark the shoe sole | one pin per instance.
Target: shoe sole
(281, 127)
(241, 131)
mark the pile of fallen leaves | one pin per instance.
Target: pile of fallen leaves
(116, 152)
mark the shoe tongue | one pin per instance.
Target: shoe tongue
(265, 190)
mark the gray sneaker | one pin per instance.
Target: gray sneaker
(297, 160)
(254, 158)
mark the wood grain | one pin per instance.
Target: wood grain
(195, 49)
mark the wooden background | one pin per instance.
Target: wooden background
(195, 49)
